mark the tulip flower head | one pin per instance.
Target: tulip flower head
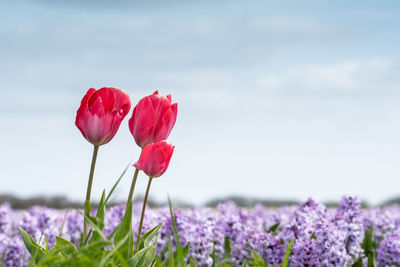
(153, 119)
(101, 113)
(155, 158)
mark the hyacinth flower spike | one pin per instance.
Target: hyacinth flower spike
(153, 161)
(98, 118)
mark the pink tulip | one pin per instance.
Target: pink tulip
(100, 114)
(155, 158)
(152, 119)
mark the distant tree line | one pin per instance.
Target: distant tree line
(60, 202)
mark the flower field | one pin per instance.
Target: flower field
(227, 235)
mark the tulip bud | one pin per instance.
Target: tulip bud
(100, 114)
(153, 119)
(155, 158)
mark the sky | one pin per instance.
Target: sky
(276, 99)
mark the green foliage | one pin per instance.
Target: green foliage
(100, 216)
(273, 228)
(36, 251)
(257, 261)
(179, 260)
(115, 250)
(124, 235)
(287, 253)
(191, 262)
(144, 257)
(68, 247)
(100, 250)
(358, 263)
(148, 237)
(117, 182)
(225, 262)
(2, 257)
(370, 247)
(96, 249)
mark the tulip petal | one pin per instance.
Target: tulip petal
(102, 101)
(101, 113)
(96, 106)
(143, 122)
(122, 102)
(155, 158)
(152, 119)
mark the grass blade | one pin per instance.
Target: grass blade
(179, 251)
(36, 251)
(117, 182)
(287, 253)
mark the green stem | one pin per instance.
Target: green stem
(132, 186)
(142, 216)
(89, 189)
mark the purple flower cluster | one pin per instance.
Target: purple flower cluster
(389, 250)
(317, 240)
(321, 236)
(348, 221)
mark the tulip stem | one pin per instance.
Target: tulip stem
(89, 189)
(142, 215)
(132, 186)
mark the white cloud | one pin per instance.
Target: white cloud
(375, 74)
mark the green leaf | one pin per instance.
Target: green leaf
(125, 229)
(67, 246)
(313, 237)
(47, 244)
(117, 251)
(87, 210)
(94, 246)
(3, 256)
(84, 241)
(143, 257)
(227, 247)
(192, 263)
(148, 237)
(370, 247)
(36, 251)
(213, 257)
(95, 228)
(358, 263)
(368, 244)
(225, 262)
(88, 207)
(273, 228)
(171, 260)
(185, 250)
(158, 263)
(100, 215)
(179, 251)
(257, 261)
(372, 260)
(287, 253)
(116, 183)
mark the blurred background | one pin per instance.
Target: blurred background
(278, 100)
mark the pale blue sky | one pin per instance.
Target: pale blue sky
(277, 99)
